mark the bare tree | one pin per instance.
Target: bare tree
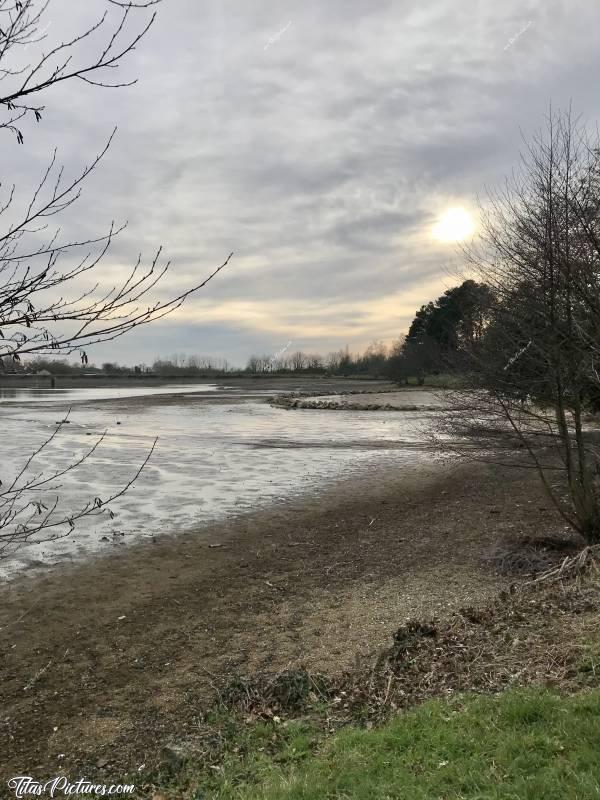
(535, 369)
(332, 361)
(252, 365)
(298, 361)
(315, 361)
(52, 298)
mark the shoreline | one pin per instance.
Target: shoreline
(120, 655)
(19, 381)
(208, 442)
(386, 399)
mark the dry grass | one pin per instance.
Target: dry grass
(539, 633)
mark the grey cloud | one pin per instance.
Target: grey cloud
(322, 160)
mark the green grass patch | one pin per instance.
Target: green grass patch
(528, 744)
(237, 753)
(588, 667)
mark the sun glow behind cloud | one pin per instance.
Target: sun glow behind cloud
(455, 225)
(359, 318)
(327, 179)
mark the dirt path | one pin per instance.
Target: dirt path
(104, 662)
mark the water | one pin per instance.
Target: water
(219, 452)
(68, 396)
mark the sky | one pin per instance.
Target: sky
(318, 141)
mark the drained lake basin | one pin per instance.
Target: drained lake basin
(221, 451)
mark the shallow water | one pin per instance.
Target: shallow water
(67, 396)
(218, 453)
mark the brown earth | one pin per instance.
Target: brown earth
(106, 661)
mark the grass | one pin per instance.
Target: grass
(528, 745)
(445, 381)
(241, 754)
(524, 743)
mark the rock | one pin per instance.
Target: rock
(176, 754)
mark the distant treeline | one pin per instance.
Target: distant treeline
(341, 362)
(176, 366)
(438, 335)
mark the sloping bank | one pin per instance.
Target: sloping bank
(109, 666)
(496, 702)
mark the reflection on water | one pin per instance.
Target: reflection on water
(33, 393)
(212, 459)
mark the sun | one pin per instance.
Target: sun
(454, 225)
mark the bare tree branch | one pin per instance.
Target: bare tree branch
(53, 296)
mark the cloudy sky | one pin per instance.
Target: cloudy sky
(319, 141)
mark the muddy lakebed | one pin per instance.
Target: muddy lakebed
(221, 450)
